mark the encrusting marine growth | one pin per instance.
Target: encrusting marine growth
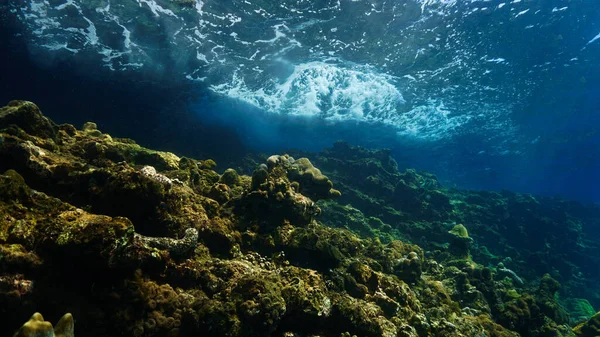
(136, 242)
(37, 327)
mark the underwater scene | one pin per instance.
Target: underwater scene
(294, 168)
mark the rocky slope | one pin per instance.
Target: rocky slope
(135, 242)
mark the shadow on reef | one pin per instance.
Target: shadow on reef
(136, 242)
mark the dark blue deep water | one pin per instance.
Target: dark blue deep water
(485, 94)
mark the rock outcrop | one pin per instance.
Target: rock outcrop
(136, 242)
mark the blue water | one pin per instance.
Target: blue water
(485, 94)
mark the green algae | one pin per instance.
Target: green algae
(459, 231)
(262, 263)
(579, 310)
(591, 328)
(37, 327)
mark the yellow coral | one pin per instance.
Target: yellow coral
(460, 231)
(37, 327)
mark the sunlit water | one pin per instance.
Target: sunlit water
(487, 94)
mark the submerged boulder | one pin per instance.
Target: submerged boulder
(282, 189)
(591, 328)
(311, 181)
(460, 242)
(28, 117)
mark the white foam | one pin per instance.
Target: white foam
(66, 4)
(198, 5)
(127, 43)
(195, 79)
(323, 90)
(156, 8)
(335, 93)
(431, 3)
(126, 37)
(521, 13)
(110, 55)
(91, 35)
(594, 39)
(497, 60)
(201, 57)
(38, 13)
(237, 49)
(431, 120)
(278, 34)
(39, 8)
(58, 46)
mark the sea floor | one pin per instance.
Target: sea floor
(135, 242)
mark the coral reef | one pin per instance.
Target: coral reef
(460, 242)
(37, 327)
(530, 235)
(173, 246)
(280, 191)
(516, 236)
(136, 242)
(590, 328)
(579, 309)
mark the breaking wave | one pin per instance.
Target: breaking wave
(323, 90)
(424, 67)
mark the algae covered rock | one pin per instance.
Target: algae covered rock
(580, 310)
(27, 116)
(459, 231)
(275, 192)
(37, 327)
(546, 299)
(460, 242)
(150, 244)
(12, 187)
(591, 328)
(312, 182)
(52, 226)
(230, 178)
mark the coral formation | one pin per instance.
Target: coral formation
(460, 241)
(173, 246)
(591, 328)
(37, 327)
(580, 310)
(279, 191)
(136, 242)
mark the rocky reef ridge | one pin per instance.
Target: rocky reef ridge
(136, 242)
